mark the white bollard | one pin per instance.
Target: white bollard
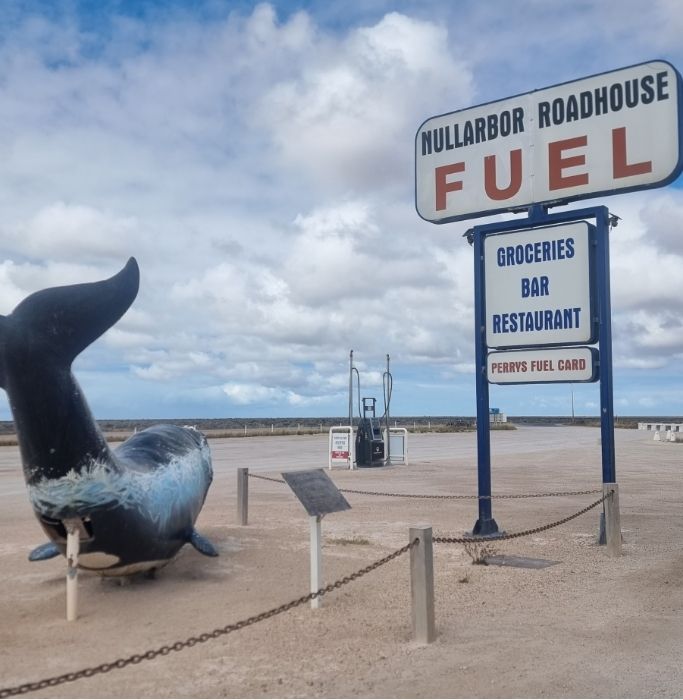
(612, 520)
(422, 585)
(242, 495)
(657, 436)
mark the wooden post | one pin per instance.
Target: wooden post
(72, 547)
(612, 519)
(242, 495)
(422, 585)
(316, 559)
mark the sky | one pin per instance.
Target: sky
(257, 159)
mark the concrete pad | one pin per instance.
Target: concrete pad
(519, 562)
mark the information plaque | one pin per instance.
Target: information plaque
(316, 491)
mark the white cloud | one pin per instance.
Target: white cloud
(350, 115)
(245, 394)
(259, 166)
(64, 232)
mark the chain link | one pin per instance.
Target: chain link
(524, 533)
(449, 496)
(265, 478)
(205, 637)
(471, 496)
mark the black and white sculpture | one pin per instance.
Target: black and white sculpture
(137, 504)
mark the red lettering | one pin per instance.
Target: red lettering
(490, 184)
(557, 163)
(620, 166)
(442, 186)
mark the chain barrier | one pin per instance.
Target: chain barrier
(241, 624)
(469, 497)
(449, 496)
(205, 637)
(524, 533)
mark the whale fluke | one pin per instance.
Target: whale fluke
(65, 320)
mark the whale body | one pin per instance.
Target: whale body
(136, 505)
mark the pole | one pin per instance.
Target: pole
(485, 525)
(351, 389)
(605, 344)
(612, 519)
(72, 548)
(387, 397)
(242, 495)
(316, 559)
(572, 391)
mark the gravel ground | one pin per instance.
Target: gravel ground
(588, 626)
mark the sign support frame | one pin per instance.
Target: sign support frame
(537, 216)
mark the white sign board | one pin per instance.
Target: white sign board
(538, 287)
(339, 448)
(611, 132)
(574, 364)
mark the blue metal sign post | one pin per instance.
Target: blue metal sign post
(538, 217)
(532, 151)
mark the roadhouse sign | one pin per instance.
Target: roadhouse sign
(615, 131)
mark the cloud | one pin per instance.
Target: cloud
(258, 164)
(64, 232)
(351, 113)
(244, 394)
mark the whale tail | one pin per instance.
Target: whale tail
(39, 341)
(56, 324)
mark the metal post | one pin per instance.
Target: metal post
(538, 215)
(242, 495)
(612, 519)
(316, 559)
(387, 398)
(605, 343)
(485, 525)
(351, 388)
(72, 549)
(422, 585)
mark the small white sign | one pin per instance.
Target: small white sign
(574, 364)
(538, 287)
(340, 446)
(616, 131)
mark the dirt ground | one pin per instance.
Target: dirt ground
(589, 626)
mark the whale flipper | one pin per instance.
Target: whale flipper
(44, 551)
(202, 545)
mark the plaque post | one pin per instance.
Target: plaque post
(319, 496)
(316, 558)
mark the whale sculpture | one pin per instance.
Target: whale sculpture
(135, 506)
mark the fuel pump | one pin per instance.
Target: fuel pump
(369, 442)
(371, 449)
